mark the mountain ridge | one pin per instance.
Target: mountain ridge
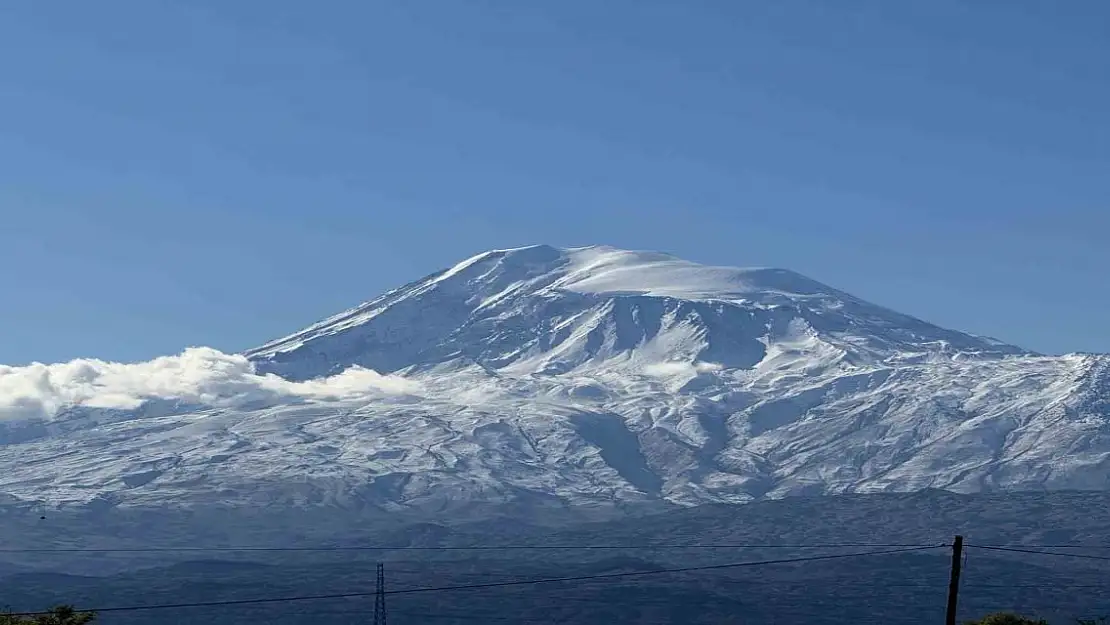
(484, 285)
(588, 376)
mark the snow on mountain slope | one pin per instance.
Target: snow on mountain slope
(558, 309)
(588, 375)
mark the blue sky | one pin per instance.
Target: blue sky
(220, 173)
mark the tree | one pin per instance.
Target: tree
(61, 615)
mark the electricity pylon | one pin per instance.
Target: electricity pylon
(379, 597)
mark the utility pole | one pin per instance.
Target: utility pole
(954, 581)
(379, 597)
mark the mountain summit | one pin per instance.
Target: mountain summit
(578, 376)
(542, 309)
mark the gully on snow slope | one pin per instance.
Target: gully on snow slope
(585, 375)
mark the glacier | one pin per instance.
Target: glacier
(548, 376)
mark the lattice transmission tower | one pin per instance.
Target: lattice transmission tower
(379, 597)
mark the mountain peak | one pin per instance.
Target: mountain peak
(557, 309)
(602, 269)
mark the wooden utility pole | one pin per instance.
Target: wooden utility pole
(954, 581)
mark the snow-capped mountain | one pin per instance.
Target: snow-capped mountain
(544, 310)
(587, 375)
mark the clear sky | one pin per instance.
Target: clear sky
(214, 172)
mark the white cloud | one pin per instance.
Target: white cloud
(198, 375)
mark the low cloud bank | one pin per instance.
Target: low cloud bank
(198, 375)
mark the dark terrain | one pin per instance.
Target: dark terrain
(422, 553)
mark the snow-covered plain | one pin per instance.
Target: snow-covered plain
(588, 375)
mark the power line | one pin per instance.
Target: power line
(463, 617)
(1040, 586)
(646, 547)
(1042, 546)
(208, 604)
(1084, 556)
(792, 583)
(508, 576)
(468, 617)
(513, 619)
(581, 578)
(639, 547)
(689, 569)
